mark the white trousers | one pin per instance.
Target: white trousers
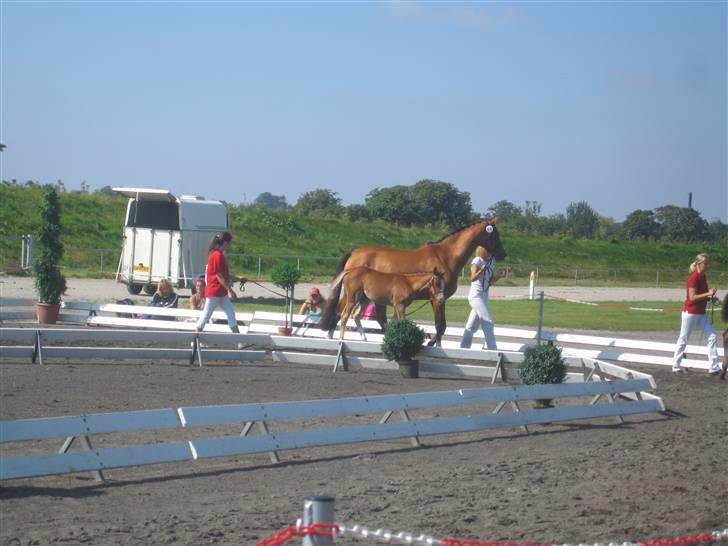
(479, 317)
(689, 322)
(211, 302)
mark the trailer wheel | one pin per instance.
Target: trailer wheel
(133, 289)
(149, 289)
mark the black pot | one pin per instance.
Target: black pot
(409, 368)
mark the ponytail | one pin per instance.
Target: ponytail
(218, 240)
(699, 259)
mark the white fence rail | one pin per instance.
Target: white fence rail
(509, 339)
(189, 449)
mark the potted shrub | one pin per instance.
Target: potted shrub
(543, 364)
(402, 341)
(49, 282)
(286, 276)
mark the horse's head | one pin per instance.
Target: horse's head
(437, 285)
(490, 239)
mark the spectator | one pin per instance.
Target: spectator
(696, 298)
(197, 300)
(313, 307)
(166, 297)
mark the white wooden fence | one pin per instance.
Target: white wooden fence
(188, 449)
(509, 339)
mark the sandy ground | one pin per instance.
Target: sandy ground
(104, 290)
(656, 475)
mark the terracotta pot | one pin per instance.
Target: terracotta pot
(47, 312)
(409, 368)
(285, 330)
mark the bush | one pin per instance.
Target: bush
(543, 364)
(402, 340)
(49, 281)
(286, 276)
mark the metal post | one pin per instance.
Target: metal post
(318, 510)
(260, 259)
(298, 263)
(540, 318)
(657, 282)
(102, 261)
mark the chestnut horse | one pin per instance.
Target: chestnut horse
(397, 289)
(448, 255)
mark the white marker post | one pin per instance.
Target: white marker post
(532, 285)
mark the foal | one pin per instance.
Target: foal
(396, 289)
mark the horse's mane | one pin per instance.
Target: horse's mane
(456, 231)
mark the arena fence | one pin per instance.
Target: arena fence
(622, 397)
(509, 339)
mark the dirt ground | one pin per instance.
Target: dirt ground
(656, 475)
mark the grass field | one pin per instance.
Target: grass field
(618, 315)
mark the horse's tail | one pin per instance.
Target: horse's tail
(725, 308)
(330, 316)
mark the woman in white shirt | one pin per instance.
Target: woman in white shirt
(482, 275)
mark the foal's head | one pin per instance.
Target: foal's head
(437, 285)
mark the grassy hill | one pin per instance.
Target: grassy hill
(93, 221)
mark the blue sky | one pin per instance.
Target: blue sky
(620, 104)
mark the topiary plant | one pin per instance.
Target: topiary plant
(49, 282)
(543, 364)
(402, 340)
(286, 276)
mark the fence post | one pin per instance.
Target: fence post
(540, 318)
(531, 285)
(657, 281)
(318, 510)
(102, 260)
(260, 259)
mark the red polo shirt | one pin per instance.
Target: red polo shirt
(700, 284)
(216, 263)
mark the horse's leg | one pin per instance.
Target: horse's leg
(358, 314)
(439, 311)
(382, 316)
(399, 310)
(345, 318)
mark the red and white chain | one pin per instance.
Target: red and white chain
(385, 535)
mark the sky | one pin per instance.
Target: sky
(619, 104)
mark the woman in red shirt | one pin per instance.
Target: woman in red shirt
(219, 289)
(697, 296)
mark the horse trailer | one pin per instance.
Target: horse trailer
(166, 237)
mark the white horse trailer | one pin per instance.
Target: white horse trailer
(166, 237)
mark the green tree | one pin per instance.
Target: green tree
(270, 201)
(437, 202)
(681, 224)
(319, 202)
(582, 220)
(640, 224)
(49, 281)
(505, 211)
(393, 204)
(358, 212)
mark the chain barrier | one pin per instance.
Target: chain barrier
(314, 529)
(331, 530)
(384, 535)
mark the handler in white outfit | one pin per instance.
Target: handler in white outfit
(482, 275)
